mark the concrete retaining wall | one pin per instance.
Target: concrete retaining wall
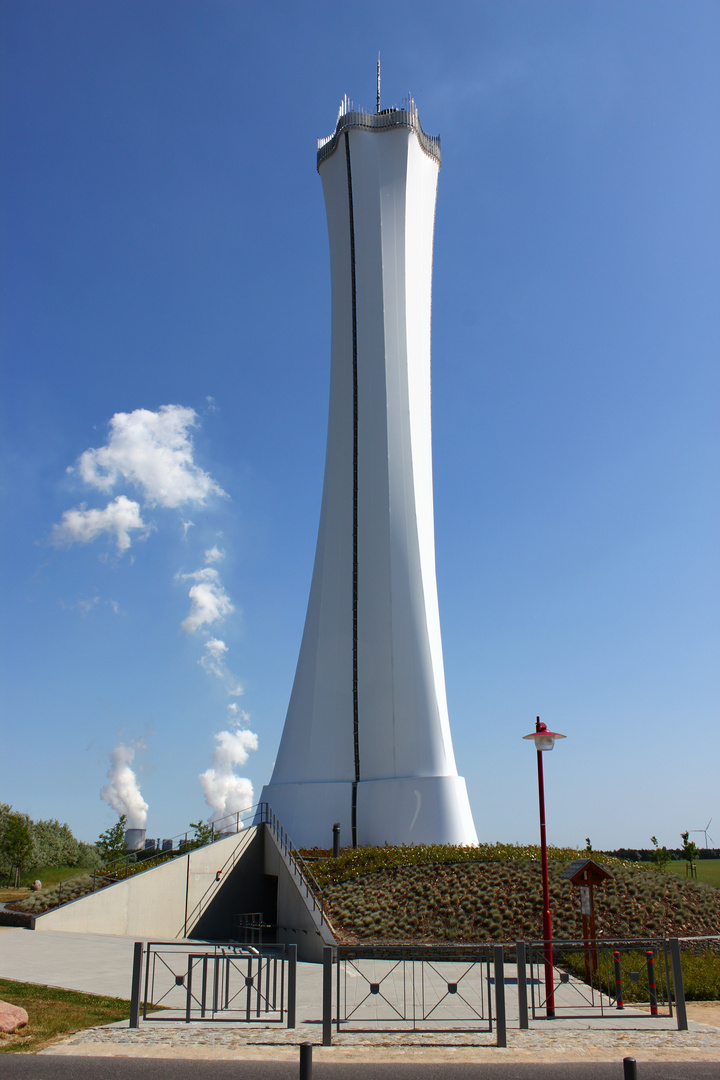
(298, 922)
(166, 902)
(182, 898)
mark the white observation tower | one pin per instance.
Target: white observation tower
(367, 741)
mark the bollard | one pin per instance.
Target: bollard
(619, 1004)
(678, 984)
(520, 952)
(500, 996)
(629, 1069)
(652, 986)
(135, 988)
(336, 840)
(327, 1016)
(292, 985)
(305, 1061)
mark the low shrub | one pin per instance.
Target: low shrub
(482, 901)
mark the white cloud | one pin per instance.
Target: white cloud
(210, 602)
(154, 451)
(214, 554)
(226, 793)
(81, 526)
(123, 793)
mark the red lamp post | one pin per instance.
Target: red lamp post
(545, 740)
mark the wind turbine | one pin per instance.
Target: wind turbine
(705, 831)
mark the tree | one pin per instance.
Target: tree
(690, 851)
(111, 844)
(204, 834)
(89, 855)
(54, 844)
(16, 846)
(660, 856)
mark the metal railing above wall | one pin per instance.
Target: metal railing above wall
(192, 917)
(294, 860)
(138, 862)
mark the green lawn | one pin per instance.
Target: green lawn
(54, 1013)
(708, 870)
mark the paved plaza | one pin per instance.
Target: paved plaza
(102, 965)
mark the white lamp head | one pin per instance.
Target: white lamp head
(543, 739)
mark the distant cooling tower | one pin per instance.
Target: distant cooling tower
(135, 839)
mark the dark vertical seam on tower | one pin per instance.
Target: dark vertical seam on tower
(356, 732)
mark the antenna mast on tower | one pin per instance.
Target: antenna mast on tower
(378, 84)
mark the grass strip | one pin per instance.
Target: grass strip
(55, 1013)
(706, 870)
(700, 970)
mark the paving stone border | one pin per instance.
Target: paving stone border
(700, 1042)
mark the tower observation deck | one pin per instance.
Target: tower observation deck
(367, 737)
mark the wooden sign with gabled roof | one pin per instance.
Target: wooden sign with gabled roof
(586, 873)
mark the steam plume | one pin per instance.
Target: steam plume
(226, 793)
(122, 792)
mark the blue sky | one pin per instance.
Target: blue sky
(165, 258)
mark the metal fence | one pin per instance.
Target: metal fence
(463, 988)
(611, 977)
(250, 928)
(625, 979)
(225, 983)
(413, 988)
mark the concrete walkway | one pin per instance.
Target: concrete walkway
(102, 965)
(93, 964)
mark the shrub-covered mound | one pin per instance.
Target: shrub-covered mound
(385, 894)
(73, 888)
(54, 895)
(364, 860)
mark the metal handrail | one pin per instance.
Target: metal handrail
(294, 859)
(229, 865)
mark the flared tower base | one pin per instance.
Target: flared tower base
(402, 810)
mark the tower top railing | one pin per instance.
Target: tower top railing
(385, 120)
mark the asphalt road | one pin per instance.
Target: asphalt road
(34, 1067)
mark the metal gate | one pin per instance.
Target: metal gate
(219, 983)
(414, 988)
(618, 978)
